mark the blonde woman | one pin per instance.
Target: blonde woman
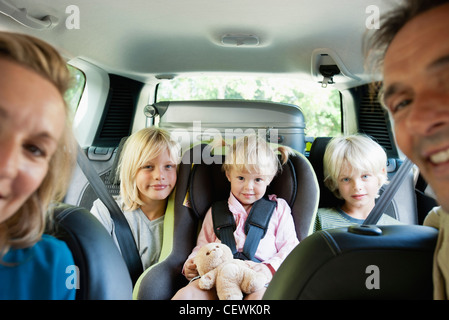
(355, 168)
(147, 171)
(250, 165)
(37, 152)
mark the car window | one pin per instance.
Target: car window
(321, 106)
(74, 93)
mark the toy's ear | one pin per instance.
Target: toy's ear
(201, 259)
(227, 252)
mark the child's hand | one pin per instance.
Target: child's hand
(260, 268)
(190, 270)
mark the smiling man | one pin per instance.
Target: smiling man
(416, 93)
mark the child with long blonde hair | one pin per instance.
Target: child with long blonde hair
(148, 172)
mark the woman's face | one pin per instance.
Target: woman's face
(32, 120)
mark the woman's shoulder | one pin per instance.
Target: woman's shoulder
(49, 245)
(38, 272)
(50, 240)
(47, 251)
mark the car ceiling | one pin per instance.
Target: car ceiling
(142, 39)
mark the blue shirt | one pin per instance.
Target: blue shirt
(45, 271)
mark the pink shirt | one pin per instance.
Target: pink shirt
(278, 242)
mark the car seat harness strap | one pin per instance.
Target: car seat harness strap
(256, 226)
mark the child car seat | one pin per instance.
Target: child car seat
(207, 183)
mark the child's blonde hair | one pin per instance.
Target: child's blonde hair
(253, 154)
(139, 148)
(358, 151)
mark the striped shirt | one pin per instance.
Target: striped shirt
(329, 218)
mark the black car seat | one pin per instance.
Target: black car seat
(88, 239)
(297, 184)
(341, 264)
(102, 272)
(316, 154)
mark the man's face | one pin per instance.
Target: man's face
(416, 82)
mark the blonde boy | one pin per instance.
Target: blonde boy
(354, 170)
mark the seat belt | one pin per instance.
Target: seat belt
(123, 232)
(389, 193)
(256, 226)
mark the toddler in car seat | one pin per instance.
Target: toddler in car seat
(250, 165)
(355, 168)
(148, 172)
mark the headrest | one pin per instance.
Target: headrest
(339, 264)
(113, 176)
(327, 198)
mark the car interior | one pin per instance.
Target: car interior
(139, 64)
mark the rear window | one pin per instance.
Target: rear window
(321, 106)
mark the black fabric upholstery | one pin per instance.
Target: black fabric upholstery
(327, 198)
(333, 264)
(102, 271)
